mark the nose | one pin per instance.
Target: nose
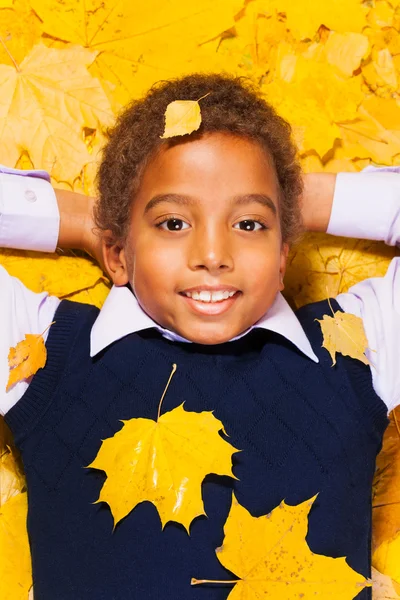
(211, 251)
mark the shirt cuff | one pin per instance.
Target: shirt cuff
(367, 205)
(29, 215)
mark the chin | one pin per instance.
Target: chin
(209, 338)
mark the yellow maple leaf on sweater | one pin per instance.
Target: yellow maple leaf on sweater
(163, 462)
(271, 557)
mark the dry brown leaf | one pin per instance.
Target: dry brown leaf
(272, 558)
(344, 333)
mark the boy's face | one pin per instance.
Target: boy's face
(205, 222)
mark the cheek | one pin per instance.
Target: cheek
(261, 265)
(155, 269)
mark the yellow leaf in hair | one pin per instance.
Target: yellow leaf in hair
(344, 333)
(181, 118)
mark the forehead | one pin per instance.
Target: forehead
(215, 165)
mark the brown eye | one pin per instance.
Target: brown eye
(173, 225)
(249, 225)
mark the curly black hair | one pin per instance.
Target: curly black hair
(232, 105)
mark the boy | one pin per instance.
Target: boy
(195, 235)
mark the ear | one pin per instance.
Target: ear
(282, 266)
(114, 259)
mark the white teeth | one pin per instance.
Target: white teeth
(206, 296)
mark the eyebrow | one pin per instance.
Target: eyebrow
(242, 200)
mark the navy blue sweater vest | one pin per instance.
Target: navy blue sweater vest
(303, 428)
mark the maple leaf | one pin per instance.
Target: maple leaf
(61, 275)
(272, 558)
(374, 133)
(163, 462)
(27, 357)
(20, 30)
(322, 266)
(311, 100)
(15, 563)
(46, 101)
(344, 333)
(137, 44)
(383, 587)
(386, 485)
(305, 18)
(346, 50)
(95, 294)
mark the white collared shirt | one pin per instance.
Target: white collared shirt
(27, 197)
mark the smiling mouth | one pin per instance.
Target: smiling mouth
(212, 296)
(210, 302)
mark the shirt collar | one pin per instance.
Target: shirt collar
(122, 314)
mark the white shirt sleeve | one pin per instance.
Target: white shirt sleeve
(29, 219)
(22, 312)
(367, 205)
(29, 215)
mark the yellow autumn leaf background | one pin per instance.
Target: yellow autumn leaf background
(68, 66)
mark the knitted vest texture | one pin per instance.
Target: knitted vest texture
(303, 428)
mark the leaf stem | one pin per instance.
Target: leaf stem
(329, 302)
(165, 391)
(14, 62)
(205, 96)
(195, 581)
(48, 327)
